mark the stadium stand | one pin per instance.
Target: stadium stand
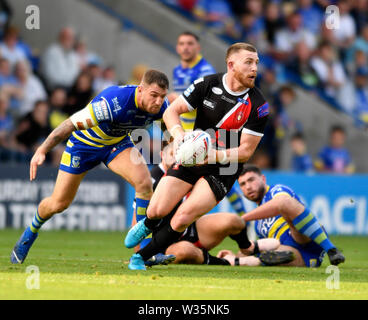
(146, 31)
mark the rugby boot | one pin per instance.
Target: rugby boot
(136, 262)
(22, 247)
(335, 256)
(136, 234)
(274, 258)
(160, 258)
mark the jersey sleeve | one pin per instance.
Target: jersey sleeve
(101, 110)
(279, 189)
(258, 117)
(194, 94)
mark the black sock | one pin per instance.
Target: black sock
(242, 239)
(162, 239)
(208, 259)
(151, 224)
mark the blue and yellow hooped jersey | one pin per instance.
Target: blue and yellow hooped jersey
(116, 111)
(274, 227)
(184, 77)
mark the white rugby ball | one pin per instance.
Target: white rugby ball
(194, 149)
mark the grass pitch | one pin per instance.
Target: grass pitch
(93, 265)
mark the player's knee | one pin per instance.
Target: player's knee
(156, 211)
(60, 206)
(181, 220)
(143, 186)
(234, 223)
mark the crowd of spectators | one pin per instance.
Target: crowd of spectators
(38, 93)
(300, 41)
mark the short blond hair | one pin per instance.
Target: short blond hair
(236, 47)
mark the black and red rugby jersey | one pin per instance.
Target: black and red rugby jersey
(225, 114)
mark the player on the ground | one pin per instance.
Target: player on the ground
(99, 133)
(209, 231)
(234, 113)
(282, 215)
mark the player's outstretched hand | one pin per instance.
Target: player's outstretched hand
(37, 159)
(223, 253)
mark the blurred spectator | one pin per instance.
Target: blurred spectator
(32, 129)
(360, 98)
(137, 73)
(312, 15)
(329, 69)
(360, 14)
(108, 79)
(57, 102)
(360, 44)
(287, 37)
(5, 15)
(283, 101)
(9, 49)
(300, 65)
(80, 94)
(59, 63)
(95, 71)
(187, 5)
(272, 21)
(6, 122)
(335, 157)
(31, 87)
(215, 14)
(85, 56)
(261, 159)
(301, 161)
(6, 76)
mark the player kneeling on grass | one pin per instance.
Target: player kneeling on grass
(283, 216)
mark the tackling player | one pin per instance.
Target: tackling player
(282, 215)
(99, 133)
(235, 114)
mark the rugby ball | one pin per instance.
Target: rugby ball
(194, 148)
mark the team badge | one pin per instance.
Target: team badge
(76, 161)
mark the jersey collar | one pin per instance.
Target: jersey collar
(135, 97)
(196, 61)
(230, 91)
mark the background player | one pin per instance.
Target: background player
(236, 124)
(99, 133)
(282, 215)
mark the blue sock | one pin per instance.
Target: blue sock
(236, 201)
(141, 208)
(307, 224)
(37, 223)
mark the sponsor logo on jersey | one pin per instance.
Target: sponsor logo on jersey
(209, 104)
(217, 90)
(243, 101)
(188, 91)
(227, 99)
(100, 109)
(263, 110)
(116, 105)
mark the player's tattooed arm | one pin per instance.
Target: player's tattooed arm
(58, 135)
